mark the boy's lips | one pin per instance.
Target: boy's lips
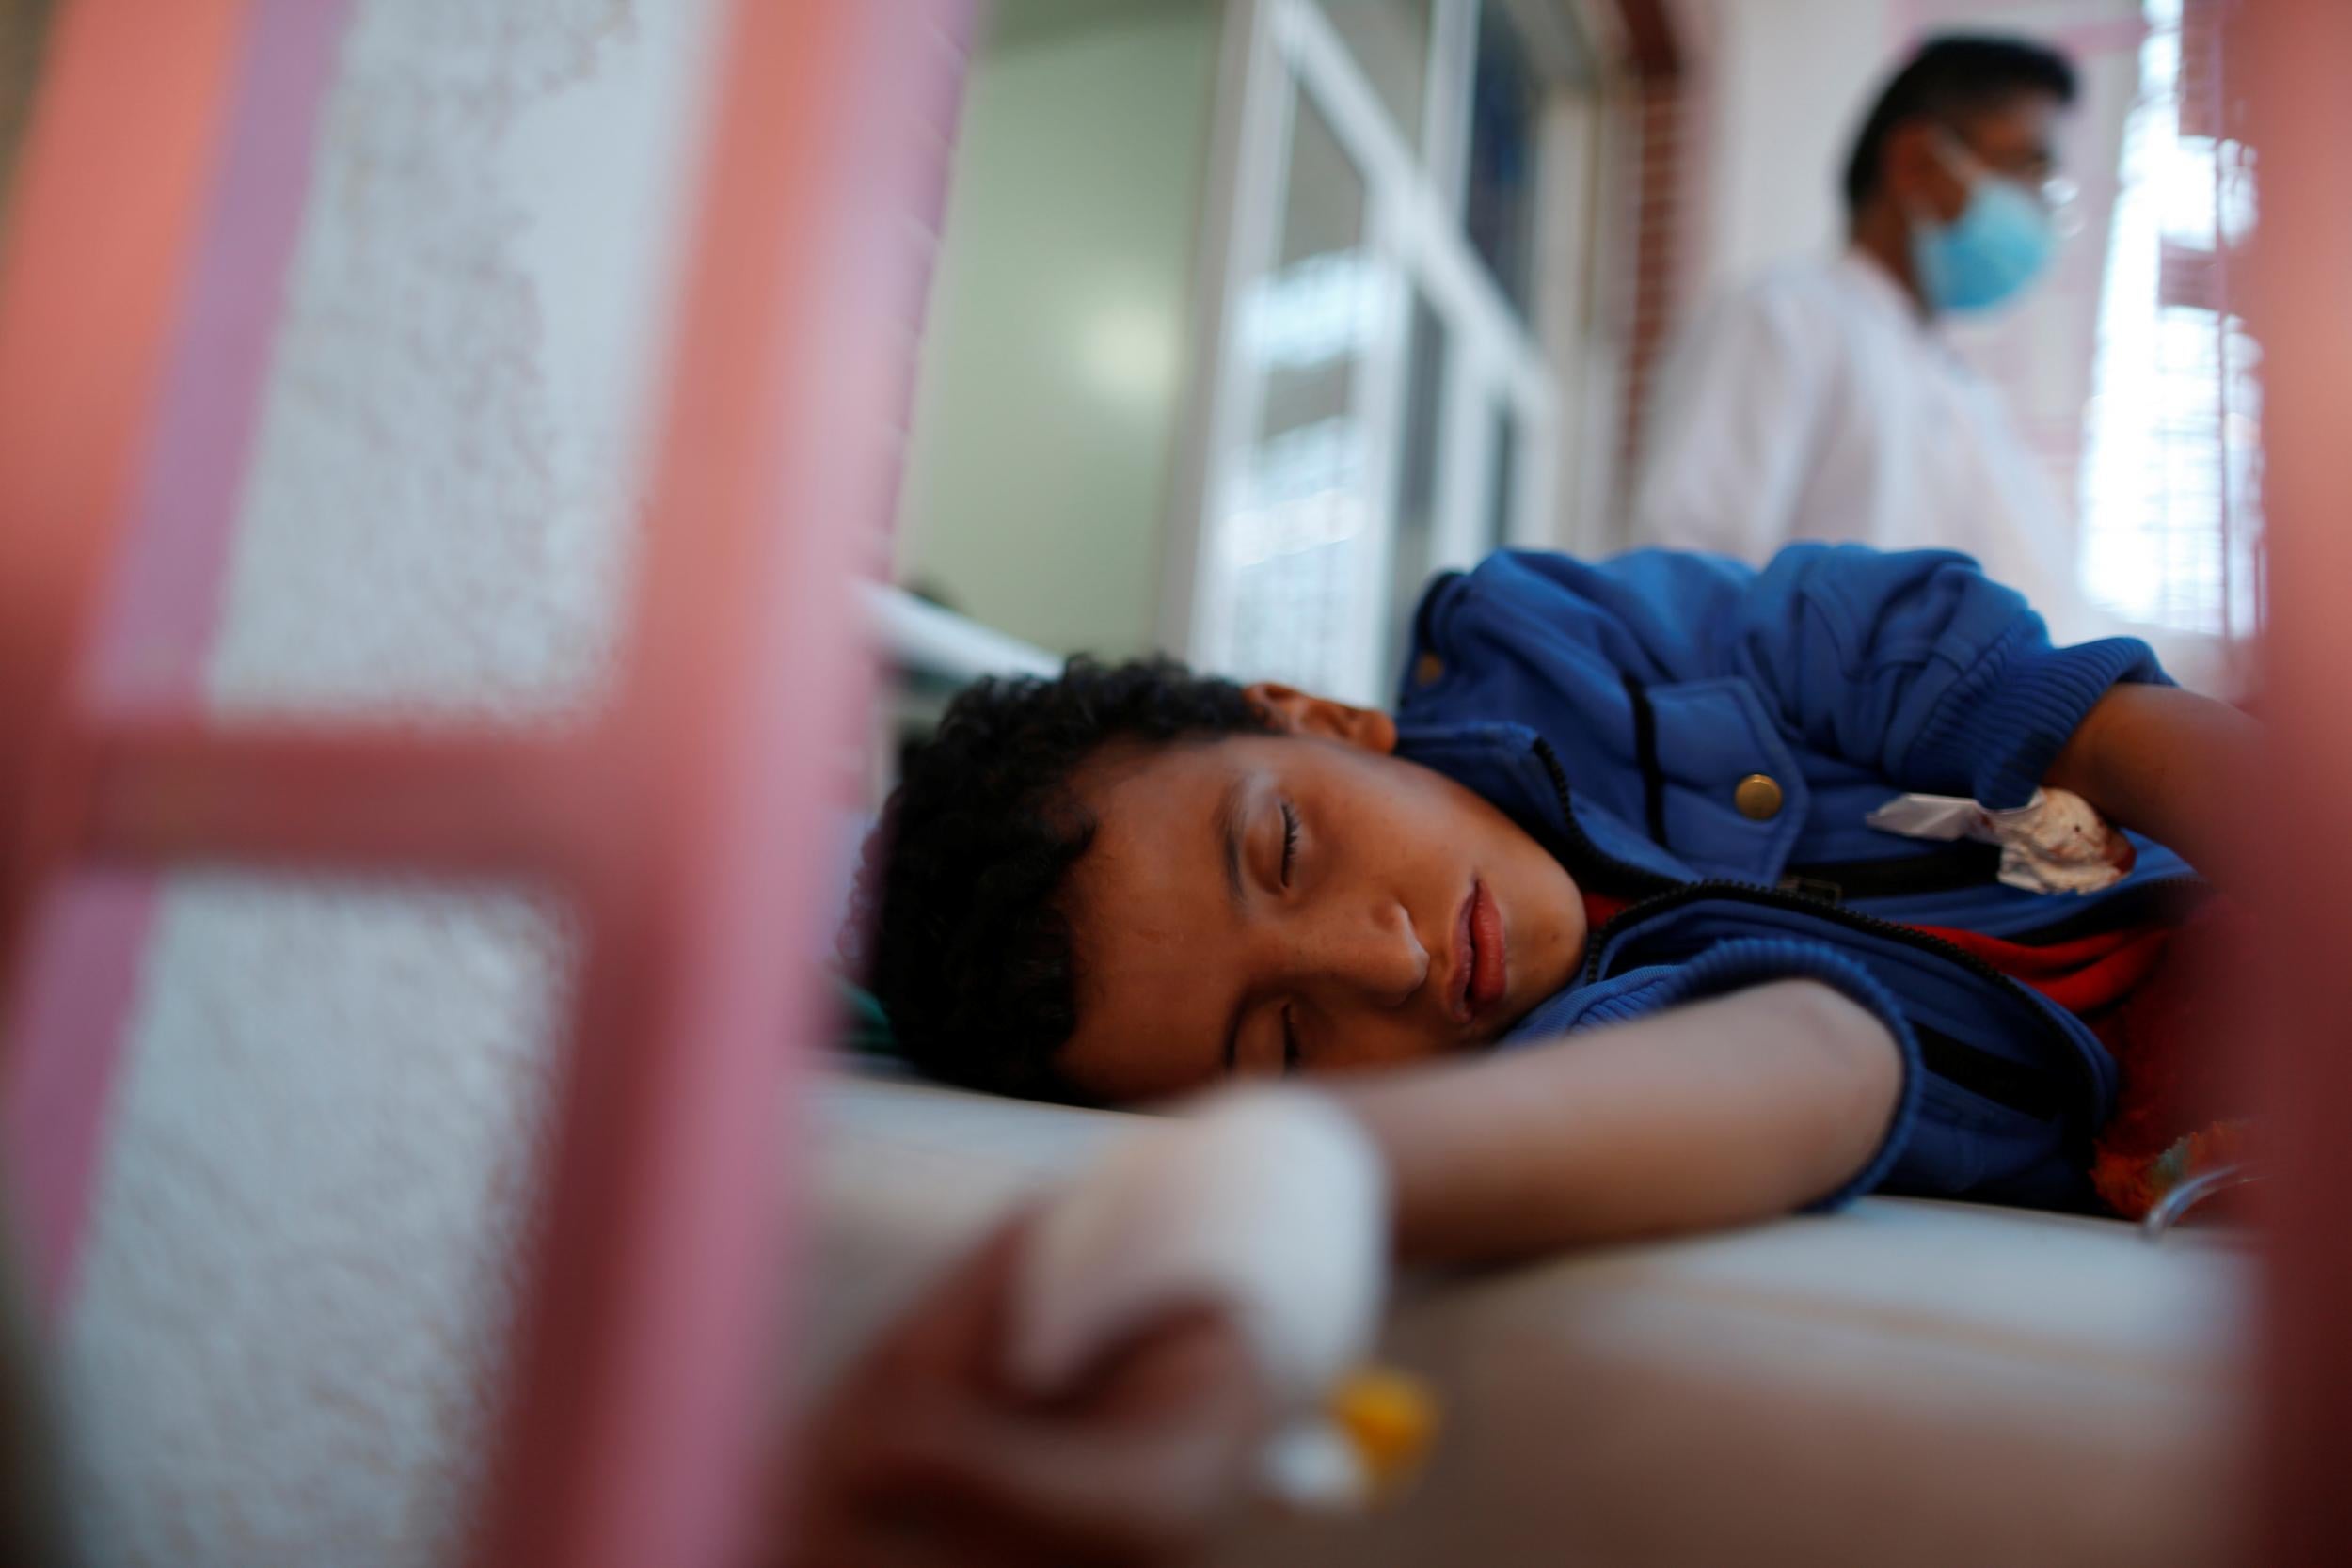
(1481, 969)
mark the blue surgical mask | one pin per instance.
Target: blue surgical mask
(2001, 241)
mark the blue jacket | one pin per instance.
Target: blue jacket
(1615, 710)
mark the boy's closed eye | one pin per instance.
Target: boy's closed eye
(1267, 903)
(1287, 1015)
(1267, 1042)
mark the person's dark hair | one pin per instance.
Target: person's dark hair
(1952, 76)
(969, 949)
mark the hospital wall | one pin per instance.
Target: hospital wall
(1789, 80)
(1054, 373)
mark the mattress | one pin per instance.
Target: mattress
(1908, 1382)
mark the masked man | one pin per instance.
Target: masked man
(1820, 401)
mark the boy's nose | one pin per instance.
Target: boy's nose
(1375, 957)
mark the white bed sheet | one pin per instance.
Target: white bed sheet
(1907, 1383)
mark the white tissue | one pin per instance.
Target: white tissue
(2055, 843)
(1272, 1205)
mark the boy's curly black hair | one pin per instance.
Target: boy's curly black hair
(970, 951)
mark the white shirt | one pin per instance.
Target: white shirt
(1815, 404)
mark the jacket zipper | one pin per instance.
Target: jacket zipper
(1657, 892)
(1946, 868)
(1580, 843)
(2052, 1032)
(1664, 892)
(1633, 879)
(2131, 902)
(1756, 892)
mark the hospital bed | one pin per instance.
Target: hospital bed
(277, 1135)
(1910, 1382)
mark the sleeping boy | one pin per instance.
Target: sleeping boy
(1600, 901)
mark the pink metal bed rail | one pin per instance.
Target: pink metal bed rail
(159, 196)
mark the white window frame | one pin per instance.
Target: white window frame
(1276, 50)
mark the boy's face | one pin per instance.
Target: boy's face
(1302, 900)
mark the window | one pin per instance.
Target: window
(1499, 189)
(1296, 530)
(2171, 520)
(1416, 477)
(1390, 41)
(1377, 407)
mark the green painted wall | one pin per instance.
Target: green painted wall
(1059, 340)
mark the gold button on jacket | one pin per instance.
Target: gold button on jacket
(1758, 798)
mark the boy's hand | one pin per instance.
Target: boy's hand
(922, 1458)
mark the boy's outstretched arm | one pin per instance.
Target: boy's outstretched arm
(1720, 1113)
(2172, 765)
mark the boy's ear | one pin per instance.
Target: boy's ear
(1297, 712)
